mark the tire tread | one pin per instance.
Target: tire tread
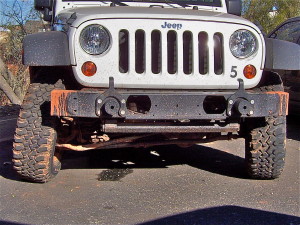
(34, 141)
(265, 149)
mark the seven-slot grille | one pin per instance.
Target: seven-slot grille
(168, 45)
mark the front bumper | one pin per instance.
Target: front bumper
(190, 105)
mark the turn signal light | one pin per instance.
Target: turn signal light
(249, 71)
(89, 69)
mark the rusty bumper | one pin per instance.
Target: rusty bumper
(167, 106)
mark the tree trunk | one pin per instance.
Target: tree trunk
(4, 86)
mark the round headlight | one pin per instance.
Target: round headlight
(94, 39)
(243, 44)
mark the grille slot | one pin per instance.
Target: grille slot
(187, 52)
(218, 53)
(123, 51)
(179, 53)
(140, 51)
(203, 52)
(156, 52)
(172, 52)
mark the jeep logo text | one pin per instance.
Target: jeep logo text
(176, 26)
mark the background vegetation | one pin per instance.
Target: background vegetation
(14, 17)
(15, 14)
(270, 13)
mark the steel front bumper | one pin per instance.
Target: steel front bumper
(112, 104)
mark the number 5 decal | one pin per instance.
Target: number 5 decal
(233, 72)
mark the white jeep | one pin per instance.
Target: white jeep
(140, 73)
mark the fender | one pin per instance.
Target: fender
(282, 55)
(46, 49)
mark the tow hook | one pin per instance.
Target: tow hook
(240, 104)
(111, 102)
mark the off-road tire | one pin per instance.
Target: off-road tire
(34, 156)
(265, 148)
(266, 138)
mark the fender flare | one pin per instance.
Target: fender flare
(282, 55)
(49, 48)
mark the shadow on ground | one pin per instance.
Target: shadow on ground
(3, 222)
(6, 168)
(293, 127)
(120, 162)
(227, 215)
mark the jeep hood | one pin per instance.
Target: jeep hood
(82, 15)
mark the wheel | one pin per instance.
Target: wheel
(34, 156)
(265, 148)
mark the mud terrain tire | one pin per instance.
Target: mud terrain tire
(34, 156)
(265, 148)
